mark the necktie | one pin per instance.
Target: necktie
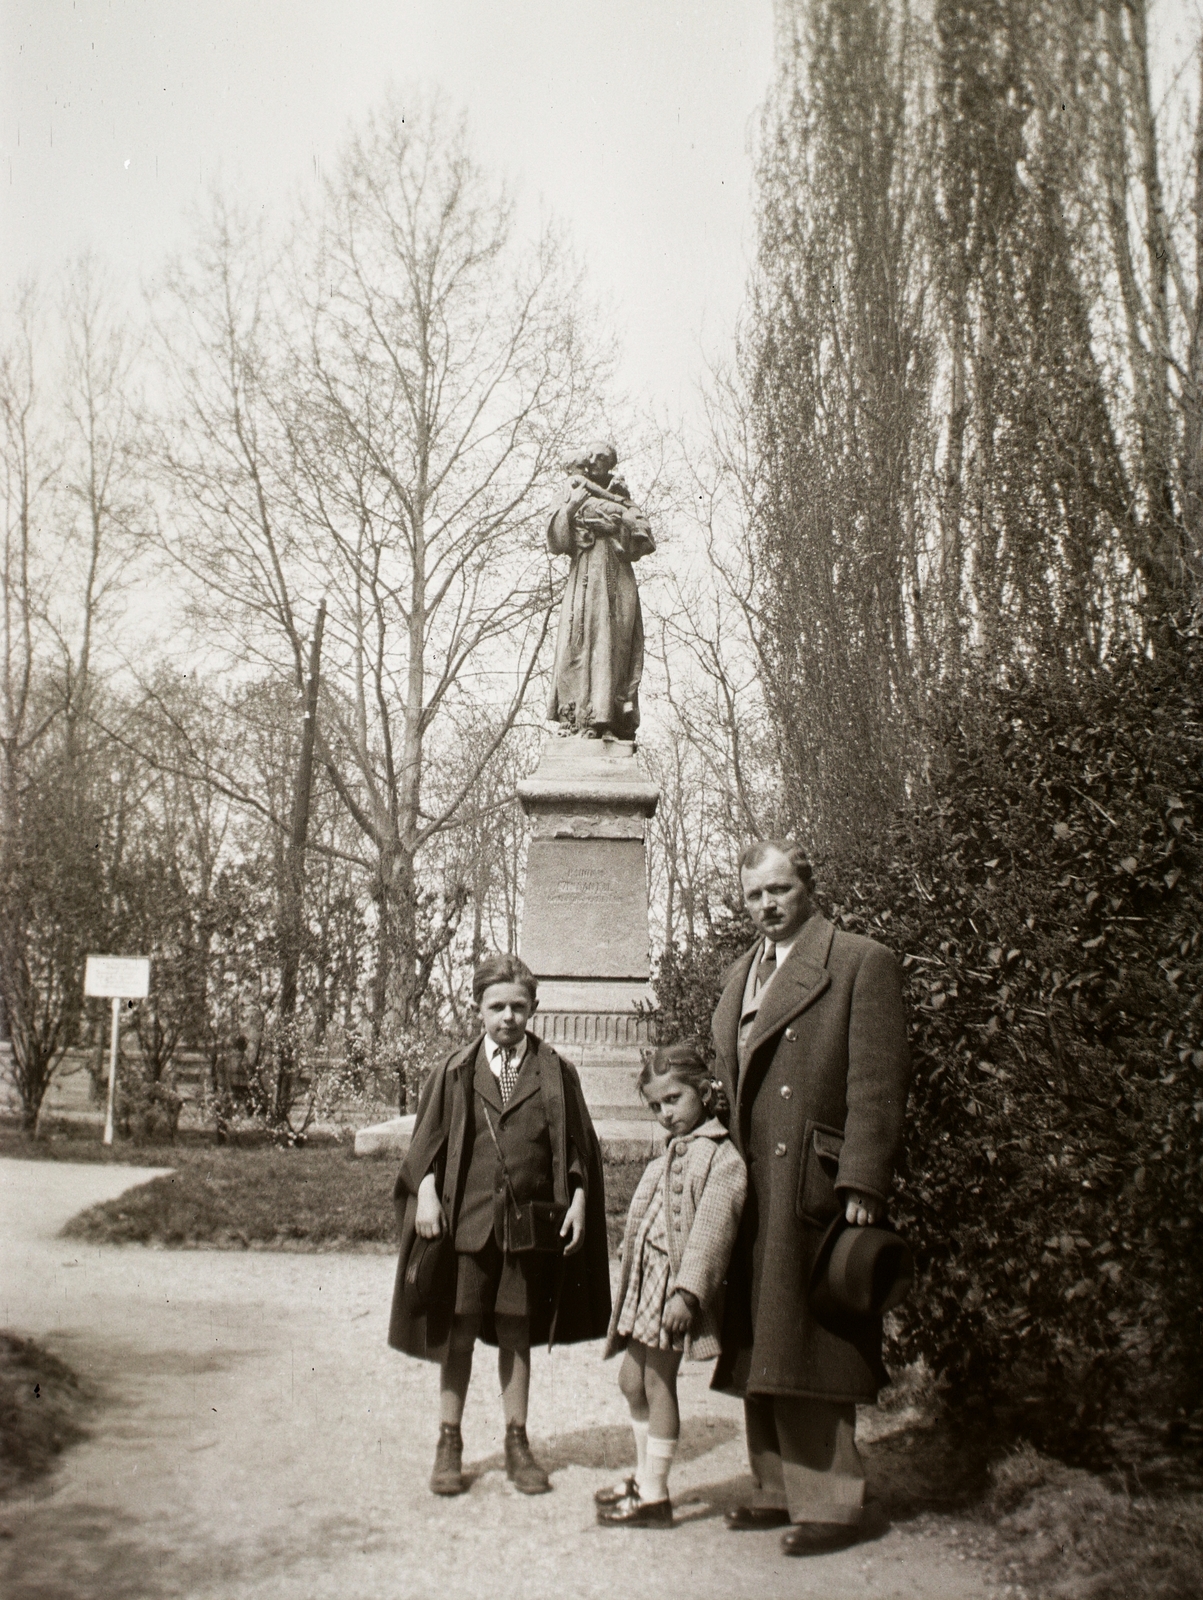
(767, 967)
(508, 1076)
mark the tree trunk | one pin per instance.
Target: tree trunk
(293, 911)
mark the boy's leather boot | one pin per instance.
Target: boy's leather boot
(448, 1476)
(521, 1468)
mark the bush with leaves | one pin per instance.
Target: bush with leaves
(1045, 898)
(688, 982)
(147, 1110)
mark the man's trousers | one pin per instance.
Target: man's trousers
(804, 1458)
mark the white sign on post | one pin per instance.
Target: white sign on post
(116, 978)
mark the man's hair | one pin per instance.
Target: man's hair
(502, 969)
(753, 854)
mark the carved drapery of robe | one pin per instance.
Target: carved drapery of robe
(599, 645)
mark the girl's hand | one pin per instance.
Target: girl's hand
(574, 1223)
(429, 1220)
(678, 1314)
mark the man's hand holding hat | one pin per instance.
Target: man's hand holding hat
(861, 1209)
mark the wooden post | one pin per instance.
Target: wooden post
(108, 1119)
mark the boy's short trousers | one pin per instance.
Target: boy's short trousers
(490, 1283)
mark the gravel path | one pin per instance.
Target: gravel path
(257, 1440)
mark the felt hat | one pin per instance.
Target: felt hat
(427, 1272)
(859, 1273)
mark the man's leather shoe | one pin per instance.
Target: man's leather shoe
(614, 1492)
(632, 1512)
(521, 1468)
(813, 1538)
(448, 1477)
(741, 1517)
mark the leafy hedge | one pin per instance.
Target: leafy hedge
(1044, 896)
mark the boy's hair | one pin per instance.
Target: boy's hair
(686, 1061)
(502, 969)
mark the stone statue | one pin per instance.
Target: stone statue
(599, 646)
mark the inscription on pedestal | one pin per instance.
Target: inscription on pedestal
(586, 908)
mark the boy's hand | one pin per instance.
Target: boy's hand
(574, 1223)
(429, 1220)
(678, 1315)
(861, 1209)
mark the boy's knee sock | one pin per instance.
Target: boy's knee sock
(653, 1480)
(639, 1429)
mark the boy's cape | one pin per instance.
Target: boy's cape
(580, 1305)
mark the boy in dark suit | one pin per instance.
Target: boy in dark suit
(505, 1104)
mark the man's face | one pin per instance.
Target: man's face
(777, 900)
(505, 1010)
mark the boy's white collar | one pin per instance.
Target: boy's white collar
(492, 1051)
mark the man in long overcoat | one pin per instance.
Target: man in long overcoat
(810, 1034)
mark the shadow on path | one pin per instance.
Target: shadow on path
(610, 1447)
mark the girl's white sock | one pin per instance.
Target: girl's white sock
(653, 1479)
(639, 1429)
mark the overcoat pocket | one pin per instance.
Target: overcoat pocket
(817, 1199)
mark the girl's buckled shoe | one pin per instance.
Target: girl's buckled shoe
(633, 1512)
(614, 1492)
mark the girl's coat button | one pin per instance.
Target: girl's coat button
(781, 1149)
(786, 1092)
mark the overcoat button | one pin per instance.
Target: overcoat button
(791, 1035)
(781, 1149)
(786, 1092)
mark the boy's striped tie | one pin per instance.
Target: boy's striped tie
(508, 1075)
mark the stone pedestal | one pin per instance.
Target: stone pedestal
(584, 920)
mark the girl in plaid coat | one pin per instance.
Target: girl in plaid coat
(680, 1229)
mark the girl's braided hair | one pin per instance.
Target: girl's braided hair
(686, 1062)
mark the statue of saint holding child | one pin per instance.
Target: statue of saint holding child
(599, 646)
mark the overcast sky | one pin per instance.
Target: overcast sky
(631, 121)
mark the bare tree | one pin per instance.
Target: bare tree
(384, 437)
(30, 466)
(68, 528)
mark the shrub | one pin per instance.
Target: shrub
(147, 1112)
(1045, 899)
(688, 982)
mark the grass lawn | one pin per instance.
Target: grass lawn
(42, 1406)
(223, 1197)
